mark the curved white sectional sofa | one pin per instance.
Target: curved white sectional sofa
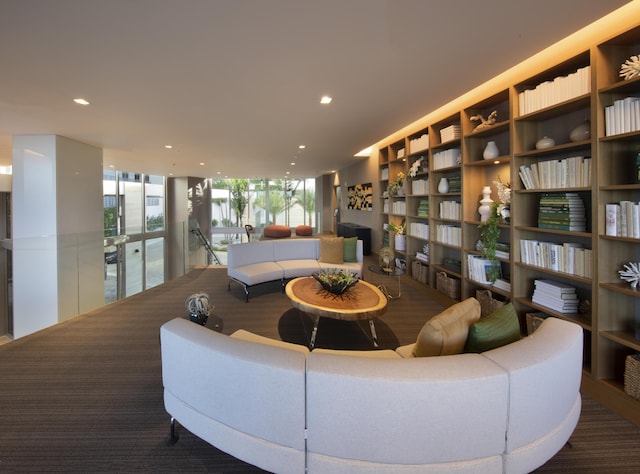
(284, 409)
(252, 263)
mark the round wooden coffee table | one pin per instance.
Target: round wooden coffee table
(361, 303)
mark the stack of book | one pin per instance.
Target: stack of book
(423, 208)
(481, 269)
(623, 219)
(553, 92)
(555, 295)
(562, 211)
(450, 210)
(503, 284)
(424, 255)
(446, 158)
(455, 184)
(452, 132)
(419, 229)
(574, 172)
(419, 143)
(420, 186)
(622, 117)
(503, 250)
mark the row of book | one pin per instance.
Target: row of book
(420, 186)
(622, 117)
(449, 234)
(483, 270)
(418, 144)
(568, 257)
(455, 183)
(623, 219)
(562, 211)
(420, 230)
(424, 255)
(423, 208)
(399, 207)
(574, 172)
(452, 132)
(450, 210)
(503, 250)
(555, 295)
(503, 284)
(553, 92)
(447, 158)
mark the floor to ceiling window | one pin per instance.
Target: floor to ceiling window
(134, 230)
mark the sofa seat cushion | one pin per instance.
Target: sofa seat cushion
(298, 268)
(378, 354)
(304, 230)
(256, 273)
(277, 231)
(251, 337)
(446, 333)
(332, 250)
(498, 329)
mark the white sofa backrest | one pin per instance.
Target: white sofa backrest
(295, 249)
(410, 411)
(250, 396)
(545, 371)
(250, 252)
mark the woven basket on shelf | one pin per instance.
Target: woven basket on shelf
(488, 304)
(447, 285)
(632, 376)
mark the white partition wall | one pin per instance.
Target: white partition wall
(58, 262)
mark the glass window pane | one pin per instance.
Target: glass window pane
(154, 262)
(154, 203)
(132, 262)
(131, 208)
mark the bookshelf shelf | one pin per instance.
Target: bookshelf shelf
(609, 334)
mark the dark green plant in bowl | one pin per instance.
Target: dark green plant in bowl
(335, 281)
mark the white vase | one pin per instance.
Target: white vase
(400, 241)
(545, 142)
(581, 132)
(443, 186)
(491, 151)
(485, 204)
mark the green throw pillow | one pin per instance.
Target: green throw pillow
(498, 329)
(350, 245)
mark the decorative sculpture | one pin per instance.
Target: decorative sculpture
(489, 122)
(631, 274)
(630, 68)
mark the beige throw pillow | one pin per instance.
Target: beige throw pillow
(332, 250)
(446, 333)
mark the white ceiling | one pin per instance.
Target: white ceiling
(235, 84)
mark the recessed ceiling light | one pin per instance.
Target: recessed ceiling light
(326, 99)
(201, 164)
(302, 147)
(168, 147)
(293, 163)
(81, 101)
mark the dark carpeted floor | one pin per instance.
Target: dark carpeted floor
(86, 395)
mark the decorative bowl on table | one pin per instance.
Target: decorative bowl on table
(335, 281)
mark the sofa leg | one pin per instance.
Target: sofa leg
(173, 432)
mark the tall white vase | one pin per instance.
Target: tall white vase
(485, 204)
(491, 151)
(443, 186)
(400, 241)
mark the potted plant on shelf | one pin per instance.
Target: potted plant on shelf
(396, 186)
(489, 233)
(400, 238)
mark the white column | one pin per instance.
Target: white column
(58, 262)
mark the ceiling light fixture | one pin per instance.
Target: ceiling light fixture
(81, 101)
(293, 163)
(326, 99)
(168, 147)
(302, 147)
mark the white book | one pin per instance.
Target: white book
(611, 219)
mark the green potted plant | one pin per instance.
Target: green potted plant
(400, 237)
(489, 234)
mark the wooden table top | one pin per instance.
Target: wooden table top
(363, 301)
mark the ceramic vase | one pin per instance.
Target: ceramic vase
(581, 132)
(400, 241)
(485, 204)
(491, 151)
(443, 186)
(545, 142)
